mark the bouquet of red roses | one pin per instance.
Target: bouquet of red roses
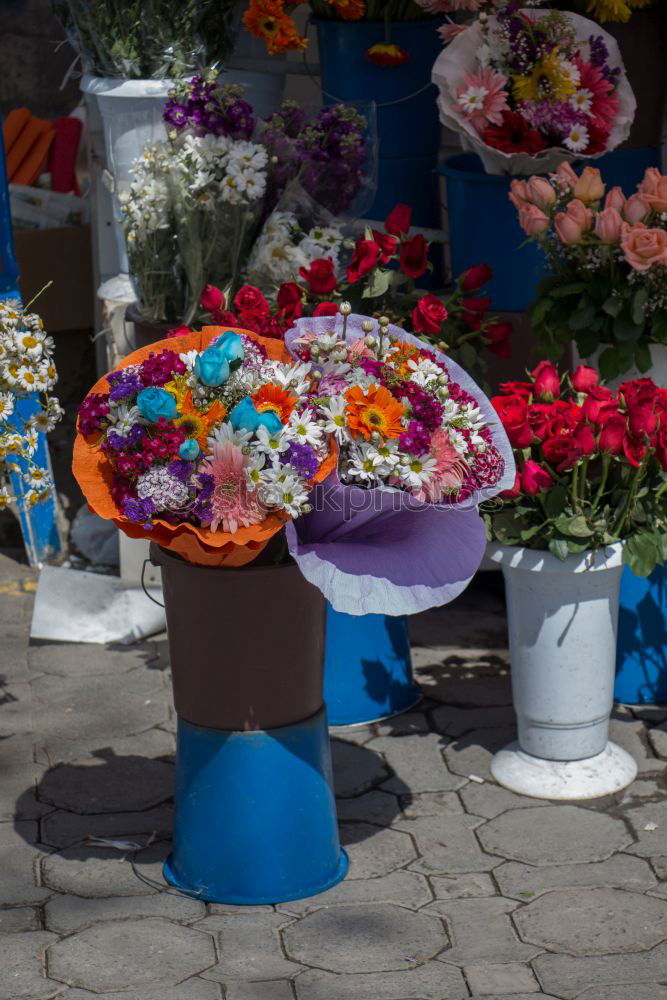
(591, 466)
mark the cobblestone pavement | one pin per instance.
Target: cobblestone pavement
(457, 887)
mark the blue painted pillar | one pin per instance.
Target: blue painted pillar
(641, 659)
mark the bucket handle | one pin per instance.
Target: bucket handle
(343, 100)
(143, 584)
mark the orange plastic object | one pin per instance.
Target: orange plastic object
(35, 163)
(13, 125)
(197, 545)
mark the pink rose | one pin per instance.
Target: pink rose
(518, 194)
(532, 220)
(652, 178)
(589, 186)
(565, 176)
(535, 479)
(644, 247)
(615, 199)
(568, 230)
(580, 213)
(540, 192)
(608, 225)
(636, 209)
(657, 198)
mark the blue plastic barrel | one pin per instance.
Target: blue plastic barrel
(254, 814)
(367, 668)
(641, 663)
(484, 229)
(407, 115)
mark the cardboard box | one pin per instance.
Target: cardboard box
(65, 257)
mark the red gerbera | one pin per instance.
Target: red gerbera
(514, 135)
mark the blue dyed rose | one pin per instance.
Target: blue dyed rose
(232, 347)
(189, 450)
(244, 416)
(155, 404)
(271, 421)
(212, 366)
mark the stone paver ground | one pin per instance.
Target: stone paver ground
(457, 887)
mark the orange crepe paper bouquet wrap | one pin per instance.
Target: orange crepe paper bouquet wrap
(203, 443)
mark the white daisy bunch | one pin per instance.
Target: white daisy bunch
(26, 369)
(286, 245)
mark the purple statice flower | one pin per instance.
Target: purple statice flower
(598, 50)
(123, 386)
(416, 440)
(158, 369)
(93, 413)
(202, 511)
(303, 460)
(555, 118)
(205, 486)
(181, 469)
(425, 407)
(139, 510)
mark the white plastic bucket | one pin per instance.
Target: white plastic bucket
(562, 619)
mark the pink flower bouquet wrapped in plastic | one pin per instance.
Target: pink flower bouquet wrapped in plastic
(527, 89)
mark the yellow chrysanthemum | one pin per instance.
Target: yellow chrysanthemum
(552, 77)
(609, 10)
(178, 387)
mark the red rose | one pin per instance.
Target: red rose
(249, 299)
(535, 479)
(498, 337)
(475, 277)
(366, 256)
(643, 421)
(638, 390)
(212, 299)
(584, 378)
(388, 245)
(179, 331)
(272, 327)
(413, 256)
(546, 381)
(225, 318)
(398, 221)
(474, 310)
(661, 448)
(320, 276)
(326, 309)
(523, 389)
(612, 435)
(599, 405)
(513, 413)
(428, 315)
(564, 452)
(290, 301)
(252, 320)
(634, 450)
(514, 491)
(549, 419)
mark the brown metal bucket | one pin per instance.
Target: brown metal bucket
(246, 645)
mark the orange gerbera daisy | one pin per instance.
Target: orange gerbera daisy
(406, 352)
(349, 10)
(266, 19)
(373, 410)
(197, 423)
(276, 399)
(387, 54)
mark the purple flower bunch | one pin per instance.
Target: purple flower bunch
(202, 107)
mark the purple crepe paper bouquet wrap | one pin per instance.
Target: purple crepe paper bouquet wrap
(381, 550)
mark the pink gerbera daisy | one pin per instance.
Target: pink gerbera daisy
(232, 503)
(483, 98)
(449, 472)
(604, 102)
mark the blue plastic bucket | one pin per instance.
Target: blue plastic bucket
(407, 115)
(254, 814)
(484, 229)
(641, 664)
(367, 668)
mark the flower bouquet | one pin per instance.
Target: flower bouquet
(526, 89)
(591, 466)
(26, 369)
(608, 255)
(208, 451)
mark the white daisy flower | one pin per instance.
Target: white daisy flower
(577, 139)
(472, 99)
(6, 405)
(6, 497)
(305, 429)
(582, 99)
(334, 418)
(28, 379)
(363, 466)
(36, 478)
(225, 432)
(286, 490)
(124, 418)
(417, 471)
(271, 445)
(254, 471)
(293, 377)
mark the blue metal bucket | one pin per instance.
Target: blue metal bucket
(641, 659)
(255, 815)
(407, 115)
(484, 229)
(367, 668)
